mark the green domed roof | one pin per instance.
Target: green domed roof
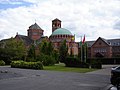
(61, 31)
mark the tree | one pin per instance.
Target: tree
(12, 50)
(43, 47)
(50, 48)
(31, 52)
(63, 51)
(56, 55)
(46, 48)
(46, 53)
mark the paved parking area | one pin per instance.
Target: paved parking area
(25, 79)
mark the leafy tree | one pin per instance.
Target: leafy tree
(50, 48)
(46, 48)
(56, 55)
(12, 50)
(63, 51)
(47, 54)
(43, 47)
(31, 52)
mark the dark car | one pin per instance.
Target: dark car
(115, 76)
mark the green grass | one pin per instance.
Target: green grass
(61, 67)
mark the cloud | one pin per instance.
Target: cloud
(94, 18)
(117, 25)
(13, 4)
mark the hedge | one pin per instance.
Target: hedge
(106, 60)
(96, 63)
(75, 62)
(2, 63)
(27, 65)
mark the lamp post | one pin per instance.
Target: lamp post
(81, 48)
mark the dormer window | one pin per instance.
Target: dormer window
(109, 43)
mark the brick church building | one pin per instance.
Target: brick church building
(106, 48)
(35, 36)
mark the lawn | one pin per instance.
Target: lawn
(61, 67)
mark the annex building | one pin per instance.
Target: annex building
(106, 48)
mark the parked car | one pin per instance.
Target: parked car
(115, 76)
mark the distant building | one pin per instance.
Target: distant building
(103, 48)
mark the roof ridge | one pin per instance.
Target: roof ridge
(35, 26)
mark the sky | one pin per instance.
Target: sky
(92, 18)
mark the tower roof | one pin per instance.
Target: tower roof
(34, 26)
(56, 20)
(61, 31)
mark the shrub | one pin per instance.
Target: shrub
(75, 62)
(96, 64)
(46, 60)
(26, 65)
(28, 59)
(7, 61)
(2, 63)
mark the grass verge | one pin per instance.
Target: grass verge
(61, 67)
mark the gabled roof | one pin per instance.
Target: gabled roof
(4, 40)
(26, 39)
(110, 42)
(90, 43)
(114, 42)
(104, 40)
(29, 41)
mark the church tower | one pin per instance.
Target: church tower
(56, 23)
(35, 32)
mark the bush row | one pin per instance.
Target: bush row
(2, 63)
(106, 60)
(110, 60)
(75, 62)
(27, 65)
(96, 64)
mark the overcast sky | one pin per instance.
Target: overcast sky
(94, 18)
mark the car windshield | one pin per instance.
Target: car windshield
(118, 68)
